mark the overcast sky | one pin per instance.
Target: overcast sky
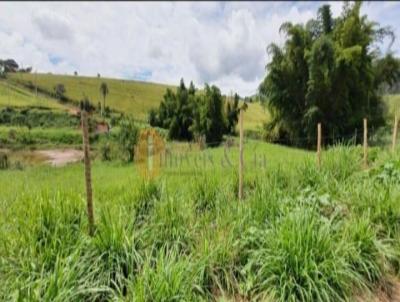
(216, 42)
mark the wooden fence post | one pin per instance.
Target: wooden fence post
(365, 143)
(319, 145)
(394, 133)
(88, 179)
(36, 84)
(241, 154)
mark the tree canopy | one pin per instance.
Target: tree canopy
(9, 65)
(330, 71)
(188, 114)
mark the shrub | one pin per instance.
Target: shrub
(105, 151)
(128, 136)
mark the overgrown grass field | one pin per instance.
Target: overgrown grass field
(300, 234)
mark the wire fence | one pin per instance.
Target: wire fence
(192, 158)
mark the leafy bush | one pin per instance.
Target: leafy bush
(128, 136)
(388, 173)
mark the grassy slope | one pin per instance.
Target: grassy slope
(125, 95)
(44, 229)
(11, 95)
(255, 116)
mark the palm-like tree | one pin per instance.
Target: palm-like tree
(104, 91)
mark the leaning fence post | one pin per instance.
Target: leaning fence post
(319, 145)
(88, 179)
(240, 154)
(365, 143)
(394, 133)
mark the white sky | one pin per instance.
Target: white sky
(216, 42)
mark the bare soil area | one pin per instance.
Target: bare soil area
(389, 292)
(61, 157)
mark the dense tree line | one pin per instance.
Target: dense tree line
(329, 70)
(188, 114)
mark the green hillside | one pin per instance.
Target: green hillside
(14, 96)
(125, 96)
(129, 96)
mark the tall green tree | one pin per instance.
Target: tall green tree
(212, 118)
(188, 115)
(104, 92)
(328, 71)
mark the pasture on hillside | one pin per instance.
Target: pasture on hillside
(125, 96)
(14, 96)
(128, 96)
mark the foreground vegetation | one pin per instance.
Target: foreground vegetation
(301, 234)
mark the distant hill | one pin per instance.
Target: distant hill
(125, 96)
(134, 97)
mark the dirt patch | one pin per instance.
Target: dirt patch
(61, 157)
(74, 111)
(388, 292)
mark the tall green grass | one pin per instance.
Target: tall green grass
(301, 234)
